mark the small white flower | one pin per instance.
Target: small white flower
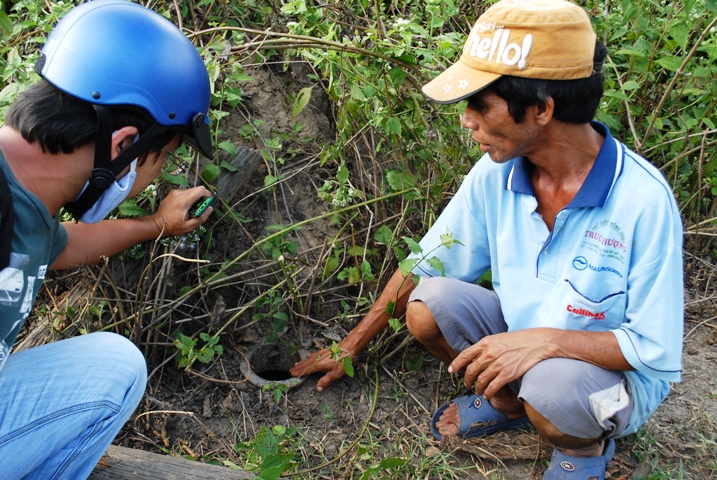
(400, 23)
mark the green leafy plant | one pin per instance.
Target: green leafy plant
(328, 413)
(277, 318)
(339, 193)
(387, 465)
(339, 354)
(414, 364)
(271, 452)
(408, 264)
(279, 245)
(277, 390)
(357, 274)
(189, 351)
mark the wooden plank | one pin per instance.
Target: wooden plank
(122, 463)
(245, 163)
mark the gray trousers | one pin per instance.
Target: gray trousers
(579, 398)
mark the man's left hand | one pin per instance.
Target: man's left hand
(499, 359)
(172, 217)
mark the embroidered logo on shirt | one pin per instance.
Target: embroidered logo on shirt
(586, 313)
(581, 263)
(607, 240)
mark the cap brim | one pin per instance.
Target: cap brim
(457, 83)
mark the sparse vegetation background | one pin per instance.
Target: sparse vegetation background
(354, 166)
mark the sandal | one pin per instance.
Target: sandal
(567, 467)
(478, 418)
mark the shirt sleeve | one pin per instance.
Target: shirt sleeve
(59, 241)
(469, 256)
(651, 336)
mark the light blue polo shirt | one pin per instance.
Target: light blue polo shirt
(612, 262)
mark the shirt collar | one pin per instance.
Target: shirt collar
(597, 185)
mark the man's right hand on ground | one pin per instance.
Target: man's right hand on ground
(322, 361)
(396, 291)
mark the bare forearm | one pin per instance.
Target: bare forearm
(88, 243)
(524, 348)
(500, 359)
(397, 291)
(599, 348)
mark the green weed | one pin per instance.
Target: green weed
(271, 452)
(189, 351)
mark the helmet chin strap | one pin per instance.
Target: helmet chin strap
(105, 170)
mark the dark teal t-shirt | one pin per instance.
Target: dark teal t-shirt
(38, 239)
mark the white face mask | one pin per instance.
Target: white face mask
(110, 198)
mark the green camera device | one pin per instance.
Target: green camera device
(200, 206)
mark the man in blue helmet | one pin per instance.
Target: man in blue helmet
(121, 86)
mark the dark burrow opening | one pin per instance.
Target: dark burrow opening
(273, 361)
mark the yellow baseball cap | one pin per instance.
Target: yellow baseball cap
(543, 39)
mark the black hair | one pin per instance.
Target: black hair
(576, 101)
(61, 123)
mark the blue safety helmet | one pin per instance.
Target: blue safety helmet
(115, 52)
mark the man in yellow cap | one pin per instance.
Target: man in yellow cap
(582, 331)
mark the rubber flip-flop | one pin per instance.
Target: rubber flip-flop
(567, 467)
(478, 418)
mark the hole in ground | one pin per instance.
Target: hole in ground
(272, 362)
(274, 374)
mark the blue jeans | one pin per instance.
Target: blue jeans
(61, 405)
